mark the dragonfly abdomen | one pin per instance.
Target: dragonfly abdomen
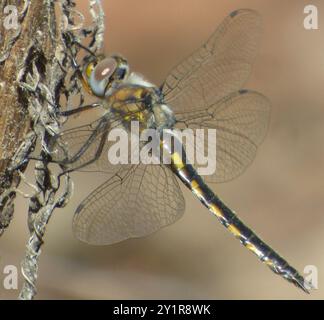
(189, 176)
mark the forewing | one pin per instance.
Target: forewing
(241, 121)
(133, 203)
(219, 67)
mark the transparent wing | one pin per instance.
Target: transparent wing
(85, 148)
(241, 121)
(218, 68)
(133, 203)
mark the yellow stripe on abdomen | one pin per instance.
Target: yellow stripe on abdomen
(235, 226)
(236, 232)
(177, 161)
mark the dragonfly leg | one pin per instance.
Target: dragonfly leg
(83, 149)
(84, 48)
(80, 109)
(74, 110)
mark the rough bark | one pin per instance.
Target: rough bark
(14, 117)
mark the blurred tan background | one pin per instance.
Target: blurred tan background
(280, 196)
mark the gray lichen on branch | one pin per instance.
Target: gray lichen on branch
(35, 72)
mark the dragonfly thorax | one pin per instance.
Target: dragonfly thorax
(136, 99)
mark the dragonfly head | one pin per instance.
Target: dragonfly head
(103, 75)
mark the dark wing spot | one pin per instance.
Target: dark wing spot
(243, 91)
(234, 13)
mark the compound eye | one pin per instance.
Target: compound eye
(105, 69)
(100, 75)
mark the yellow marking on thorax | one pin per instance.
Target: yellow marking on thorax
(127, 93)
(139, 116)
(86, 86)
(89, 69)
(139, 93)
(134, 109)
(130, 109)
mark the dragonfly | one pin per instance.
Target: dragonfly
(203, 91)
